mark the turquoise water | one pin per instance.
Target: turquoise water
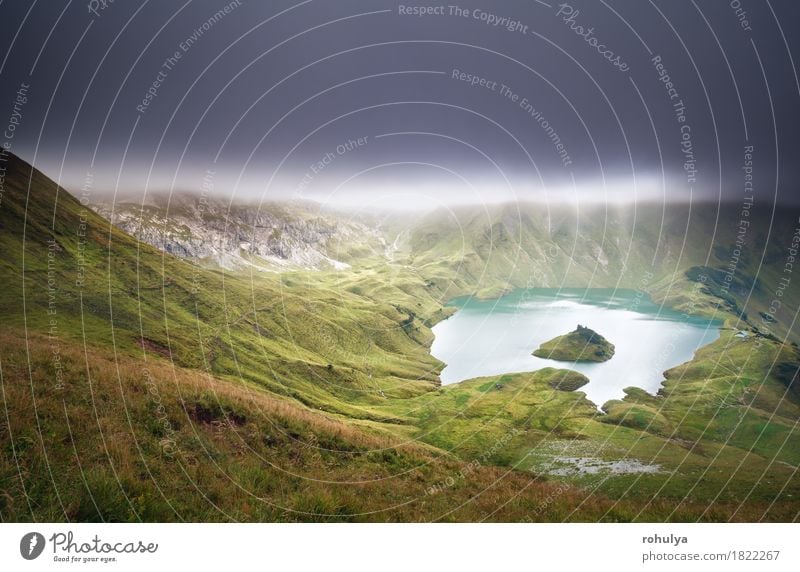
(492, 337)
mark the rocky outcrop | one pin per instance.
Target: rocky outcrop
(582, 344)
(267, 236)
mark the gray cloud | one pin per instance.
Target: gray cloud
(493, 101)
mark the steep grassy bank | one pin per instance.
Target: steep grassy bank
(129, 439)
(68, 271)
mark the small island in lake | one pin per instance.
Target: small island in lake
(584, 344)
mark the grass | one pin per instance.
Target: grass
(582, 344)
(712, 435)
(128, 440)
(181, 392)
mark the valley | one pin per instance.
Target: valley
(181, 359)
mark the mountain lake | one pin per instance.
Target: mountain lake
(497, 336)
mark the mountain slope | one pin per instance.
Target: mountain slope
(64, 263)
(263, 236)
(135, 387)
(663, 250)
(138, 385)
(738, 255)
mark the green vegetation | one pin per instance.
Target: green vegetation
(711, 436)
(582, 344)
(138, 386)
(129, 439)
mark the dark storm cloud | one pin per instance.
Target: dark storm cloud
(487, 100)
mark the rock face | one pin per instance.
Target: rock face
(583, 344)
(266, 236)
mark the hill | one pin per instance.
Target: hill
(737, 257)
(582, 344)
(139, 385)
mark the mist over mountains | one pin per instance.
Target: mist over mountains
(492, 248)
(298, 381)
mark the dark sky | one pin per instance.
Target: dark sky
(271, 88)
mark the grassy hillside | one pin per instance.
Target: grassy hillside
(137, 386)
(722, 431)
(62, 263)
(664, 250)
(140, 386)
(129, 439)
